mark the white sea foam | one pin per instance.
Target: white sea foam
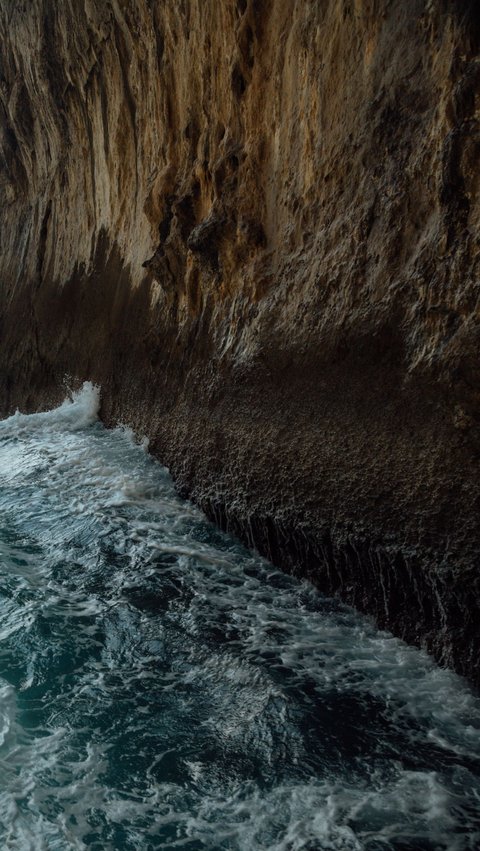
(78, 411)
(161, 686)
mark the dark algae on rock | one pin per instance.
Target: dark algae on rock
(164, 687)
(255, 225)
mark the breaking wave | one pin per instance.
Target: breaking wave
(163, 687)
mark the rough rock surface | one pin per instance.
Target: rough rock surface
(256, 224)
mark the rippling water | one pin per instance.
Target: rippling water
(163, 687)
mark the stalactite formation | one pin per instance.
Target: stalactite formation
(255, 225)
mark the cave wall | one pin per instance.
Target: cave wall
(255, 224)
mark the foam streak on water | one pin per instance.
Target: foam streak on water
(162, 687)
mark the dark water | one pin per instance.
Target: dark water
(162, 687)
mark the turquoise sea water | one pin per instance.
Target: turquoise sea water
(162, 687)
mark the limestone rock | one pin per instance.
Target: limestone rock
(256, 224)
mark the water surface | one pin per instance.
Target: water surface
(162, 687)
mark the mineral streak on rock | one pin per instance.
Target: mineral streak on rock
(255, 224)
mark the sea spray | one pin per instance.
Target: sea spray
(163, 687)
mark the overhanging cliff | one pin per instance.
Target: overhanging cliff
(255, 224)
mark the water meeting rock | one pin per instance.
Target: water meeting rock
(255, 225)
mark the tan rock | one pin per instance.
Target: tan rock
(256, 225)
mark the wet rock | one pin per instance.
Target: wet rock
(256, 226)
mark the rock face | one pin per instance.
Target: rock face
(255, 224)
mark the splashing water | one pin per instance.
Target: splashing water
(163, 687)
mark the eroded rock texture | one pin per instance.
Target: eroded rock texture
(256, 225)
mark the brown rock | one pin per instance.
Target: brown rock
(256, 225)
